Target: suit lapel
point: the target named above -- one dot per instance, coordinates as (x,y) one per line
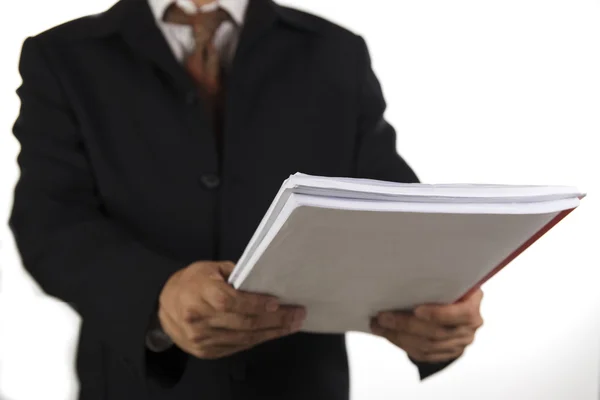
(259,52)
(144,37)
(191,137)
(271,37)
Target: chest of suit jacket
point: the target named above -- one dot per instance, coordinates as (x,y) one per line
(291,106)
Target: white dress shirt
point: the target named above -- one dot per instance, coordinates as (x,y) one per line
(180,37)
(181,40)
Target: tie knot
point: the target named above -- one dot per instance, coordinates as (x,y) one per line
(206,22)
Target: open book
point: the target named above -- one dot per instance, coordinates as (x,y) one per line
(347,249)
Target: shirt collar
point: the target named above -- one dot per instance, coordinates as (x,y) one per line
(236,8)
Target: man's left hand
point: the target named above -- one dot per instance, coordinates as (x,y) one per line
(433,333)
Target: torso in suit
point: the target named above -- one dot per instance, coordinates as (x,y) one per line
(122,184)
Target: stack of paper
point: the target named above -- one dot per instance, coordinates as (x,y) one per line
(349,248)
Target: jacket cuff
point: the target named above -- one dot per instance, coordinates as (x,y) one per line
(157,340)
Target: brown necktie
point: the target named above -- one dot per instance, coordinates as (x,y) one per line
(203,63)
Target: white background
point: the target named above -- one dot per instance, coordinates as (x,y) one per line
(503,91)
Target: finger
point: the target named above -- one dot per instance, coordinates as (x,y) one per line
(428,346)
(226,268)
(435,357)
(214,352)
(224,298)
(285,317)
(449,315)
(218,270)
(187,337)
(214,271)
(476,297)
(192,293)
(406,323)
(216,343)
(390,334)
(192,308)
(246,339)
(253,303)
(467,311)
(422,349)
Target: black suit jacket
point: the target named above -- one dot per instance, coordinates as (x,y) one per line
(122,184)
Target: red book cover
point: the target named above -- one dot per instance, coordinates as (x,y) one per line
(559,217)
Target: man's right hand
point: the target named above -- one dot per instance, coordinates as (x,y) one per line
(207,318)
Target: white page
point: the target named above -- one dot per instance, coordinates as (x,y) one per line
(345,266)
(392,191)
(472,191)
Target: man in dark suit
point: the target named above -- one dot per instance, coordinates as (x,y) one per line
(153,139)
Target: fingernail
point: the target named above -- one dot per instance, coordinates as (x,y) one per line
(386,320)
(272,305)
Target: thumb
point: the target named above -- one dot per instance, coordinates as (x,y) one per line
(224,268)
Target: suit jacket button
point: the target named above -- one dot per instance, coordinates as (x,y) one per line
(210,181)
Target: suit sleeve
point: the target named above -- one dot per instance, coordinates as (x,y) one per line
(67,242)
(377,157)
